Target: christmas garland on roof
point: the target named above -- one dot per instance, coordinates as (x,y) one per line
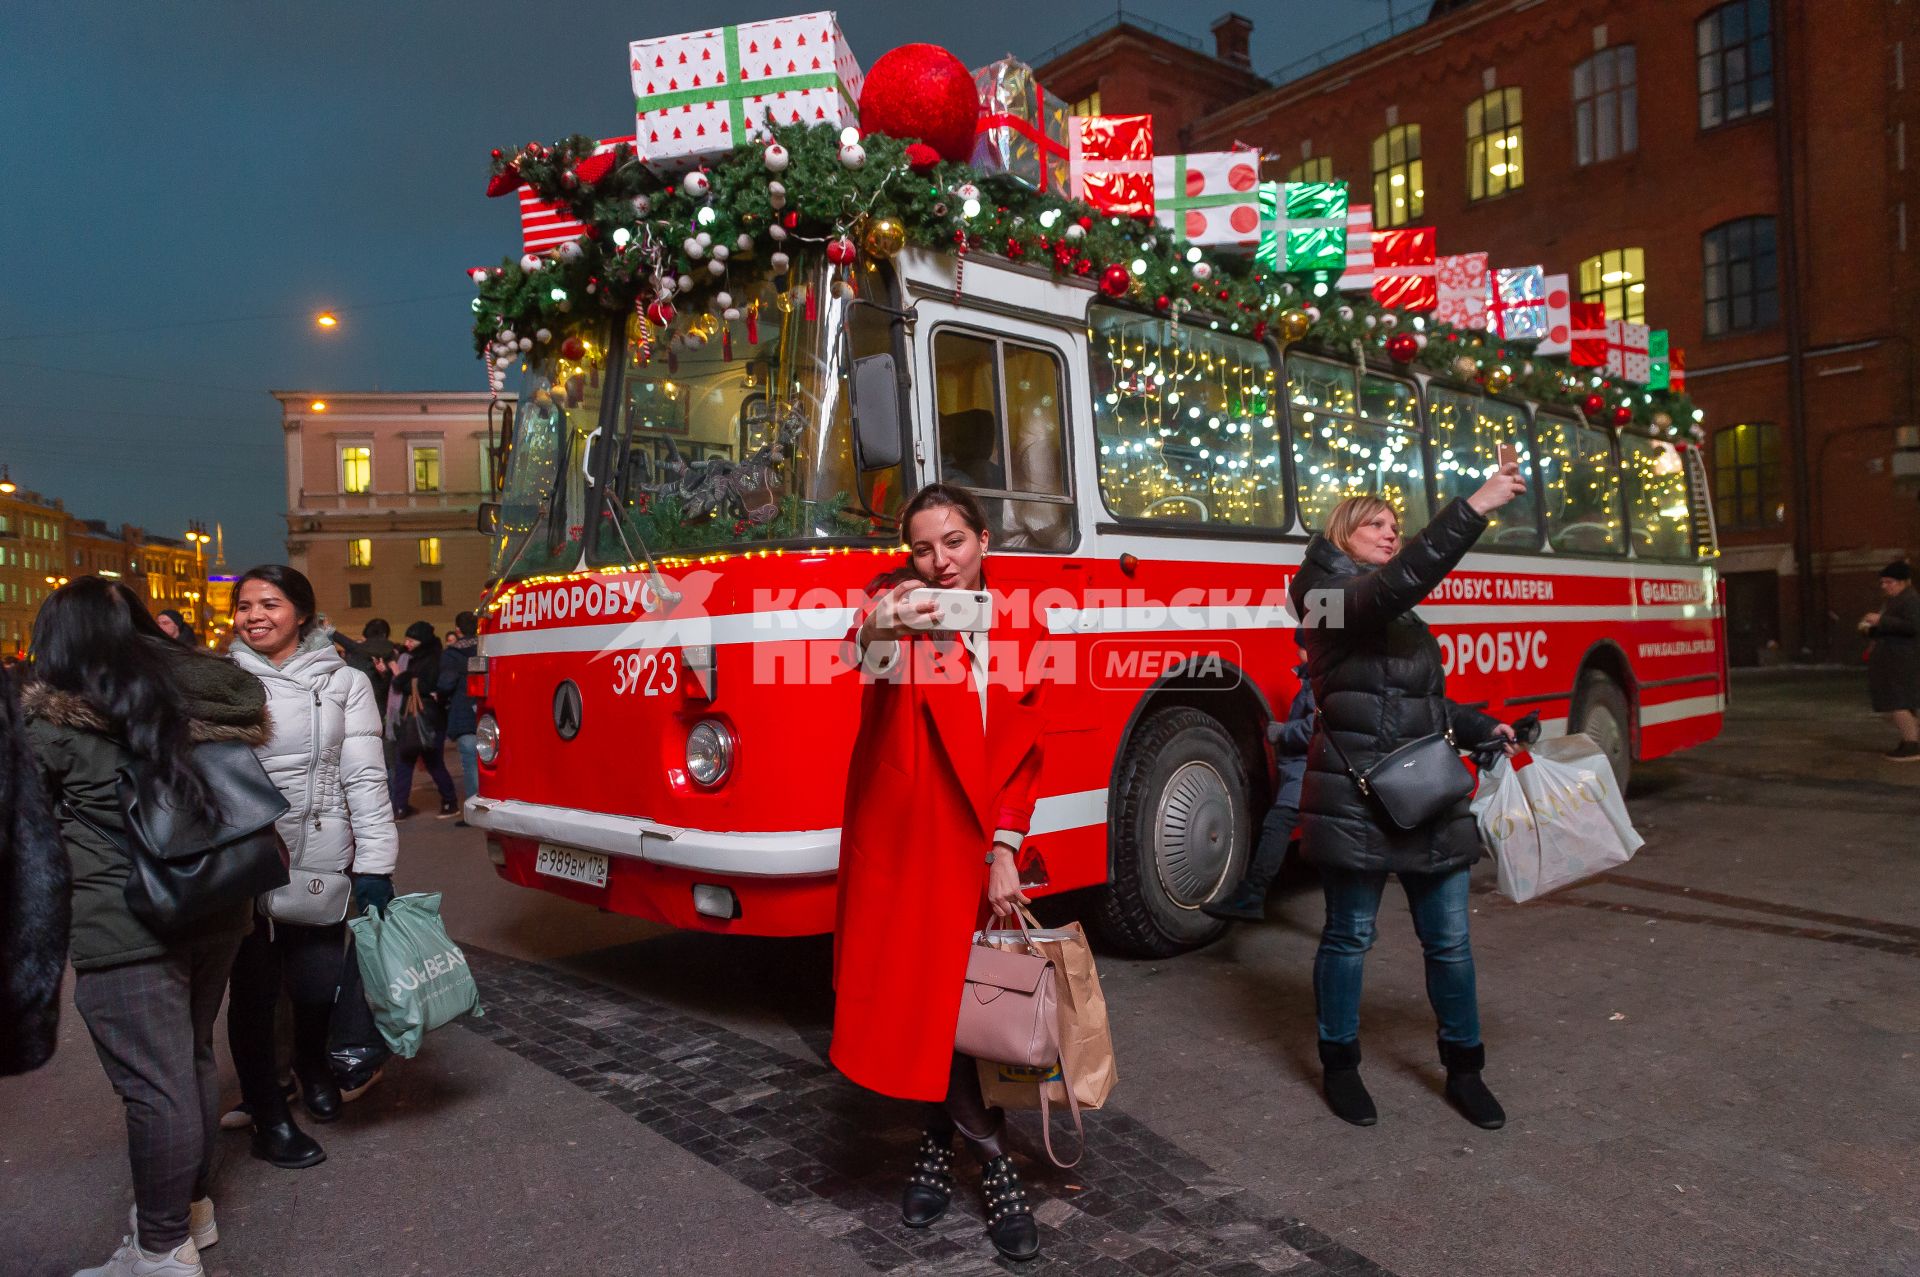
(651,243)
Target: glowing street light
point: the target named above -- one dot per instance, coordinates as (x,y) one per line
(327,319)
(7,485)
(318,405)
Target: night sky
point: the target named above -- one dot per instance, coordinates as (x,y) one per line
(191,183)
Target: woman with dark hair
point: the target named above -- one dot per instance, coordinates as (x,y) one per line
(325,756)
(175,627)
(940,794)
(420,677)
(110,690)
(1893,663)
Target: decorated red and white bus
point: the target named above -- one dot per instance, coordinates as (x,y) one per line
(665,726)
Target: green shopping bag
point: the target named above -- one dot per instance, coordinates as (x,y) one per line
(416,977)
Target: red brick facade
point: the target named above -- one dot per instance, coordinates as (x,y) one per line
(1835,135)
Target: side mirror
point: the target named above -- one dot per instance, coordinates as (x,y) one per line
(876,413)
(487,518)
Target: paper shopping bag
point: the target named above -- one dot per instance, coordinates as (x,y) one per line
(1086,1043)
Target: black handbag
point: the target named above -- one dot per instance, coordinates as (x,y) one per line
(1414,784)
(419,725)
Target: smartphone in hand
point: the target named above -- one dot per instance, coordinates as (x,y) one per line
(970,611)
(1509,453)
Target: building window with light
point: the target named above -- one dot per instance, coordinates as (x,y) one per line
(1495,164)
(426,467)
(1734,44)
(356,468)
(1746,476)
(429,552)
(1088,105)
(1617,278)
(1606,109)
(1316,168)
(1399,178)
(1740,276)
(360,552)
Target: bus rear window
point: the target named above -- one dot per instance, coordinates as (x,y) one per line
(1351,438)
(1467,432)
(1657,506)
(1579,487)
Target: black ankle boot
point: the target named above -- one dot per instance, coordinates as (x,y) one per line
(1465,1090)
(1346,1093)
(930,1182)
(277,1140)
(319,1093)
(1248,903)
(1009,1218)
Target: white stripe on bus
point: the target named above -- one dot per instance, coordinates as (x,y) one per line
(1140,620)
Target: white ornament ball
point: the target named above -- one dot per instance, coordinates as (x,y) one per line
(719,252)
(569,251)
(692,248)
(530,263)
(642,205)
(777,194)
(685,283)
(508,337)
(696,184)
(1370,321)
(503,362)
(744,242)
(967,191)
(526,343)
(779,262)
(723,300)
(543,334)
(730,313)
(704,238)
(1076,232)
(776,158)
(853,155)
(717,267)
(1420,340)
(1389,321)
(1346,314)
(776,232)
(478,275)
(1313,313)
(1202,270)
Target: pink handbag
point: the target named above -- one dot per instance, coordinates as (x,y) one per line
(1010,1014)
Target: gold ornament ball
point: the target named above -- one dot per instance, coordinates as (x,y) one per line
(1662,421)
(1465,367)
(1295,325)
(1498,378)
(885,237)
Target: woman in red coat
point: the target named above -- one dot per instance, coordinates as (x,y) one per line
(940,794)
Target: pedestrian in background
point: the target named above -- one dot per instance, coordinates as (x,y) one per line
(1290,738)
(416,689)
(1380,684)
(462,720)
(111,691)
(175,627)
(372,656)
(324,755)
(1893,664)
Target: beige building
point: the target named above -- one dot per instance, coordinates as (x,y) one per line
(383,490)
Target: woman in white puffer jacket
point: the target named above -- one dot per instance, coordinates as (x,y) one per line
(325,755)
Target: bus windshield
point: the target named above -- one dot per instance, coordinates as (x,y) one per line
(700,434)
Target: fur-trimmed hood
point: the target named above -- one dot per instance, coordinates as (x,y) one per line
(222,701)
(70,709)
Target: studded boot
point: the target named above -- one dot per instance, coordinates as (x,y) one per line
(930,1183)
(1009,1218)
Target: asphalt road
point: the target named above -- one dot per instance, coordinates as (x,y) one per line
(1708,1058)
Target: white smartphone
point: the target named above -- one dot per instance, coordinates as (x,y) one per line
(954,610)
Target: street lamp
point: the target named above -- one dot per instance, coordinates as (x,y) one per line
(7,485)
(327,319)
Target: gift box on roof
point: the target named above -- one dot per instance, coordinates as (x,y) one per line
(699,95)
(1677,371)
(1210,198)
(1303,226)
(1659,361)
(1404,268)
(1627,350)
(1520,302)
(1557,339)
(1359,276)
(1110,163)
(1588,337)
(1022,133)
(545,225)
(1464,287)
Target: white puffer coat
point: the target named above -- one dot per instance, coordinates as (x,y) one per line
(325,756)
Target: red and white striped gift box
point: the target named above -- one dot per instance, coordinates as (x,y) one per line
(1359,276)
(545,226)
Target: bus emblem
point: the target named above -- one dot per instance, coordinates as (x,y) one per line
(567,709)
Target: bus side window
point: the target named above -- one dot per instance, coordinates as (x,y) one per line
(967,398)
(1467,433)
(1579,487)
(1347,441)
(1001,429)
(1657,499)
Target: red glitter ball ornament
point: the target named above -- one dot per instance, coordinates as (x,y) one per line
(790,219)
(840,251)
(1115,281)
(1593,405)
(922,91)
(1623,416)
(572,348)
(1402,347)
(1162,302)
(660,314)
(921,158)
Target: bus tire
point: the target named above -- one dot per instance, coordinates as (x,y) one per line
(1180,835)
(1601,711)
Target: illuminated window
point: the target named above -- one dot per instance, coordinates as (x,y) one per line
(1746,476)
(426,467)
(1317,169)
(1617,278)
(356,468)
(1657,498)
(1088,105)
(1399,178)
(1351,438)
(1579,487)
(1740,276)
(1606,110)
(429,552)
(360,552)
(1735,48)
(1467,431)
(1494,161)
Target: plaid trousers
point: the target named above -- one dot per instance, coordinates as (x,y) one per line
(152,1025)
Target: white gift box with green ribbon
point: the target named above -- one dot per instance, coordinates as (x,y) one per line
(1209,198)
(699,95)
(1303,226)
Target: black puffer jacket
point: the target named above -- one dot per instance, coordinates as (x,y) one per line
(1380,684)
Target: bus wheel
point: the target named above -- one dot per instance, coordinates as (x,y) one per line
(1600,711)
(1180,834)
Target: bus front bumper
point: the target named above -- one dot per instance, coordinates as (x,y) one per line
(808,853)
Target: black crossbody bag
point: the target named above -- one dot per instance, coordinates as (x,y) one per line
(1414,784)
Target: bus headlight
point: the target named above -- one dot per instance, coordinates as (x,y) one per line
(709,752)
(486,739)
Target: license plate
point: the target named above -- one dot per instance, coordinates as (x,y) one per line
(575,866)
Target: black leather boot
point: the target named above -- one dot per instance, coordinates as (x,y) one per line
(1465,1090)
(1346,1093)
(1009,1218)
(319,1092)
(277,1140)
(930,1182)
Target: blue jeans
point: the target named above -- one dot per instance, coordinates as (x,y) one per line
(1439,906)
(469,747)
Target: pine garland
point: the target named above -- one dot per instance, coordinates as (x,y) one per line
(642,245)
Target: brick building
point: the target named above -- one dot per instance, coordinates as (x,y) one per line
(1735,173)
(383,494)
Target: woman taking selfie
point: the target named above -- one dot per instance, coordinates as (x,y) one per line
(939,797)
(1379,682)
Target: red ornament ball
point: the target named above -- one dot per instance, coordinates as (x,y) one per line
(1593,405)
(572,348)
(661,314)
(1623,415)
(1115,281)
(1162,302)
(921,158)
(922,91)
(1402,347)
(840,251)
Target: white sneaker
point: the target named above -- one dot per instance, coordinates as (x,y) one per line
(201,1226)
(131,1261)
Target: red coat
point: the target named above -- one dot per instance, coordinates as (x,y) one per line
(926,791)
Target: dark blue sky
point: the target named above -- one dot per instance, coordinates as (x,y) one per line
(190,183)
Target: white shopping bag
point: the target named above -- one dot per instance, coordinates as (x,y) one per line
(1554,819)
